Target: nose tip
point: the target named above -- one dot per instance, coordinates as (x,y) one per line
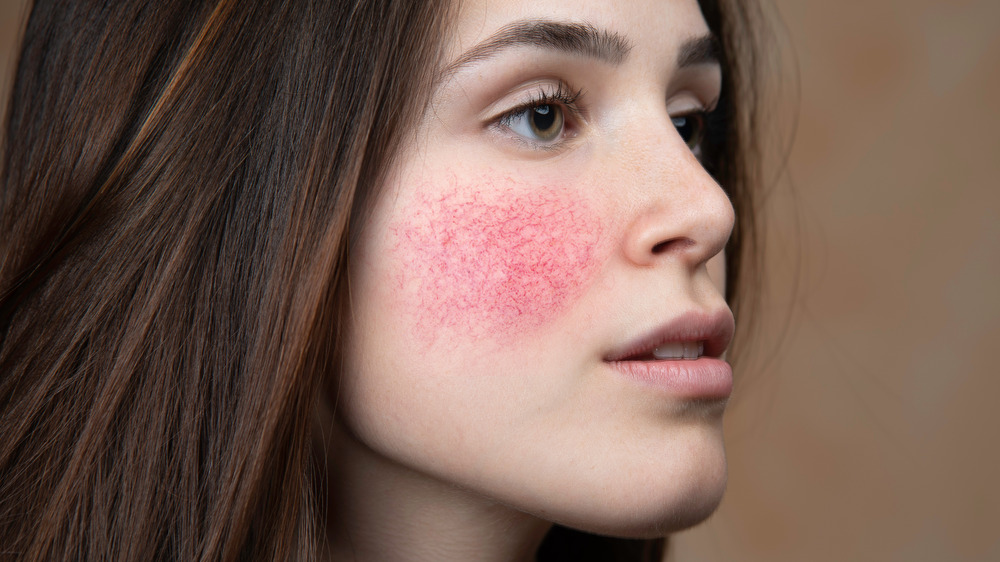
(685,216)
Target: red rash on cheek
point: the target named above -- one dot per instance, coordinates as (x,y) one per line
(488,262)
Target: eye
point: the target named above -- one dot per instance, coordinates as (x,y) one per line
(543,122)
(545,119)
(691,128)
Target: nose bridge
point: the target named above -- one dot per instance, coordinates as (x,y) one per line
(682,212)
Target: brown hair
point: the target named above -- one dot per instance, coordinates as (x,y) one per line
(179,184)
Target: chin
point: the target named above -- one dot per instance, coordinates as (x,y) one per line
(692,510)
(652,521)
(652,505)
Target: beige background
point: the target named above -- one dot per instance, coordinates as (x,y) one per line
(866,427)
(873,433)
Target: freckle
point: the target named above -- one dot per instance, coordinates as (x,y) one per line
(493,262)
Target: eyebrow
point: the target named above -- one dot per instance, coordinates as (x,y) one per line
(700,50)
(572,38)
(578,39)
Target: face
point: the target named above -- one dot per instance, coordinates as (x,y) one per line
(537,310)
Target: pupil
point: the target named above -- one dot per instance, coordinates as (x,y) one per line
(543,117)
(684,128)
(689,128)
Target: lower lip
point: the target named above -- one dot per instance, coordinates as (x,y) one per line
(705,378)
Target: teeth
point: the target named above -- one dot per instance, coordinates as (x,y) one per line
(679,350)
(670,350)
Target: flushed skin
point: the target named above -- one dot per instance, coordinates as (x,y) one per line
(477,399)
(494,261)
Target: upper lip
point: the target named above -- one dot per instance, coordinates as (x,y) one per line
(714,328)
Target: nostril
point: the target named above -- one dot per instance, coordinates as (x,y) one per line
(677,244)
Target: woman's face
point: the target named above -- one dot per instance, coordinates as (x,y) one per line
(537,310)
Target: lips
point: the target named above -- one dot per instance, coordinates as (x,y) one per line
(689,336)
(682,357)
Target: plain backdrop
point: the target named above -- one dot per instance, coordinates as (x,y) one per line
(865,426)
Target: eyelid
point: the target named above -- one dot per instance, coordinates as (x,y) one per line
(687,102)
(557,93)
(703,82)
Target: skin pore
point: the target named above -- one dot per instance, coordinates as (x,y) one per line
(549,210)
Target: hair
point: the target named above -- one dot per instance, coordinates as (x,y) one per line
(176,215)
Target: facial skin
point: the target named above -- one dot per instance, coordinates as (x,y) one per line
(499,272)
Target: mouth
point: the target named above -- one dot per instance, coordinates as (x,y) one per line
(682,357)
(685,338)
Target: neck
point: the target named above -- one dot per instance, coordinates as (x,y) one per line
(380,510)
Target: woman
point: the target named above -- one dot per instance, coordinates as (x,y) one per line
(371,280)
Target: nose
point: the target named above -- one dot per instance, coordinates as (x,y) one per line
(681,212)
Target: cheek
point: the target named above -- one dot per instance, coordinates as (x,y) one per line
(494,262)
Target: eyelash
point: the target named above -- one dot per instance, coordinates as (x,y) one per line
(563,96)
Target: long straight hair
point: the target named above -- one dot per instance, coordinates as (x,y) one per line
(180,183)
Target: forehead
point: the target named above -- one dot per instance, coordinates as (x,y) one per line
(651,27)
